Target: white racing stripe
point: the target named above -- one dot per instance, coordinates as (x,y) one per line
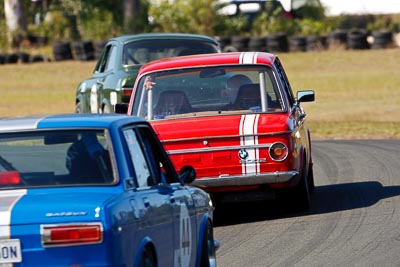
(248,58)
(248,137)
(7,201)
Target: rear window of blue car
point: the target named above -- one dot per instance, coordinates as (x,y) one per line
(55,158)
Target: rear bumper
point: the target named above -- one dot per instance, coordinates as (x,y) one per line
(245,180)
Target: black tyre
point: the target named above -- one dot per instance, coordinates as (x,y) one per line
(382,39)
(208,258)
(37,58)
(230,48)
(316,43)
(24,57)
(277,42)
(84,50)
(298,43)
(148,258)
(240,42)
(12,58)
(2,58)
(62,51)
(310,180)
(224,41)
(301,192)
(337,39)
(357,39)
(258,44)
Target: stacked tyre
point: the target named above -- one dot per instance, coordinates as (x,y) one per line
(357,39)
(258,44)
(382,39)
(238,43)
(62,51)
(337,39)
(298,43)
(224,41)
(84,50)
(277,43)
(316,43)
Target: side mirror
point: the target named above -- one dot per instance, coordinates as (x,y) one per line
(187,174)
(121,108)
(305,96)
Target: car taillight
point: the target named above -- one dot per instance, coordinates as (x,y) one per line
(10,178)
(278,151)
(71,234)
(127,91)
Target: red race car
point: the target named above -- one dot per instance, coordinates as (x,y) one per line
(234,118)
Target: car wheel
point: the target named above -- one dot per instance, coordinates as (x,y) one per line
(301,192)
(78,108)
(208,258)
(148,259)
(310,180)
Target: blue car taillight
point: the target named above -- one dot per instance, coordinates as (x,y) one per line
(71,234)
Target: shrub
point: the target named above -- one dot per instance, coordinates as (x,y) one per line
(188,16)
(383,23)
(276,23)
(314,27)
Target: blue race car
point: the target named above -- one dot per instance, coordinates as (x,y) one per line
(97,190)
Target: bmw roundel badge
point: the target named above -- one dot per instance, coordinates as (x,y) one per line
(243,154)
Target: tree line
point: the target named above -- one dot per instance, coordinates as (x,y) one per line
(70,19)
(28,22)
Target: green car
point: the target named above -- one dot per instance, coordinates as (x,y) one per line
(122,57)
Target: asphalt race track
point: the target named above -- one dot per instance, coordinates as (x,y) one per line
(354,219)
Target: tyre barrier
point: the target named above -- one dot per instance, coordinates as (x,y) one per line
(298,43)
(2,58)
(21,57)
(230,48)
(84,50)
(11,58)
(258,44)
(241,43)
(357,39)
(382,39)
(277,43)
(223,41)
(98,48)
(38,58)
(62,51)
(316,43)
(337,39)
(24,57)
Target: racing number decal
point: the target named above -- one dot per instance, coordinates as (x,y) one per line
(182,255)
